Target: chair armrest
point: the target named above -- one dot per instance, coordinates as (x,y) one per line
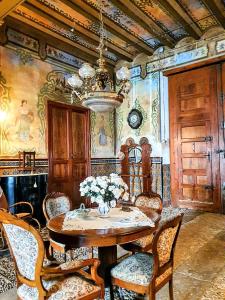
(23,203)
(72,267)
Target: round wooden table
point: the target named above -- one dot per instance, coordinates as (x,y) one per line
(105,239)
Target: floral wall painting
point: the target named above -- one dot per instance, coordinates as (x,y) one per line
(102,135)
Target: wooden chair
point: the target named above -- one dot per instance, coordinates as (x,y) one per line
(27,214)
(54,204)
(153,201)
(146,273)
(35,280)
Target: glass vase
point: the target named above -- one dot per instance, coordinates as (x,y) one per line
(103,210)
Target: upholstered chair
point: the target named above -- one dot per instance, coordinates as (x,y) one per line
(26,213)
(37,280)
(153,201)
(147,273)
(54,204)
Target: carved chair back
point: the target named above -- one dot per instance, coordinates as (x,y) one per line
(26,248)
(3,201)
(164,243)
(56,203)
(151,200)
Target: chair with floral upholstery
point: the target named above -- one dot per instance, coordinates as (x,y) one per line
(26,211)
(54,204)
(39,281)
(153,201)
(147,273)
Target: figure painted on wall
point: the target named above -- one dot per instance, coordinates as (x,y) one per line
(102,132)
(24,121)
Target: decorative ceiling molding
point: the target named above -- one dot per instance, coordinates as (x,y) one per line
(6,6)
(218,10)
(111,26)
(133,11)
(53,12)
(179,14)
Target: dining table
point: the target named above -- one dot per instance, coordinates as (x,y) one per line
(106,239)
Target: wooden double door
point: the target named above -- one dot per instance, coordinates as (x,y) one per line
(68,148)
(197,138)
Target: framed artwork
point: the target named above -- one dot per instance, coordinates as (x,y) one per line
(135,118)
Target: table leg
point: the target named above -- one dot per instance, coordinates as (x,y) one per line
(107,257)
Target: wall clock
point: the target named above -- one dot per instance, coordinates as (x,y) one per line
(135,118)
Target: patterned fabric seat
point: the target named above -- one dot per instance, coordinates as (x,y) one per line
(137,269)
(41,279)
(73,287)
(146,273)
(150,200)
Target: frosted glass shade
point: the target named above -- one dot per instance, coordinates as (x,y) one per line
(86,71)
(123,73)
(75,81)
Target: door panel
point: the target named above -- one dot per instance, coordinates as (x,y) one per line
(68,146)
(222,135)
(194,138)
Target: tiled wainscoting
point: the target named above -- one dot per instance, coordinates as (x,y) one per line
(102,166)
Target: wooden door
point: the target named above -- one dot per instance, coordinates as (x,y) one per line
(68,148)
(222,134)
(195,164)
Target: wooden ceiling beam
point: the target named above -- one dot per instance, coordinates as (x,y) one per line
(218,10)
(132,11)
(179,15)
(64,26)
(36,31)
(6,6)
(78,29)
(59,37)
(93,14)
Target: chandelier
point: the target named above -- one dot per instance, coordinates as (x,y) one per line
(95,88)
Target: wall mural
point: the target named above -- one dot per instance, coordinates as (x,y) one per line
(26,83)
(102,135)
(143,96)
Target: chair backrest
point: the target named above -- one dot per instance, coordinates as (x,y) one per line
(56,203)
(3,200)
(151,200)
(26,247)
(164,241)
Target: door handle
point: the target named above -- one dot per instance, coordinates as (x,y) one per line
(209,187)
(208,155)
(218,151)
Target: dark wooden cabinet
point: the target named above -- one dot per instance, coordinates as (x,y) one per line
(196,138)
(29,188)
(68,148)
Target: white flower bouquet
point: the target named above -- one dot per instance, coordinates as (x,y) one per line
(102,189)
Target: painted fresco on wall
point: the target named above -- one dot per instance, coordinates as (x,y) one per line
(26,83)
(143,96)
(21,128)
(102,135)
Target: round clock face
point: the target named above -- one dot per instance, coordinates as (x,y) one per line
(135,118)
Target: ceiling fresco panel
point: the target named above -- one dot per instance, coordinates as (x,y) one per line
(125,22)
(83,21)
(199,13)
(161,18)
(46,23)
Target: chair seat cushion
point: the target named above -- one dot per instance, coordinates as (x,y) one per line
(73,287)
(137,269)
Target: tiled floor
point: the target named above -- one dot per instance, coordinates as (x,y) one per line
(199,260)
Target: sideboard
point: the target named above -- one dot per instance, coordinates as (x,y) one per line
(26,187)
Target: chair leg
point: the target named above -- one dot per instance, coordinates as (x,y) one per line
(171,288)
(111,291)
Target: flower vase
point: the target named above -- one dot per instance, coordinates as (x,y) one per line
(103,210)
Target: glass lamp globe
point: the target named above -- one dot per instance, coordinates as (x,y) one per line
(75,81)
(86,71)
(123,73)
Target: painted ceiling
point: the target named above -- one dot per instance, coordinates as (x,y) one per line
(131,26)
